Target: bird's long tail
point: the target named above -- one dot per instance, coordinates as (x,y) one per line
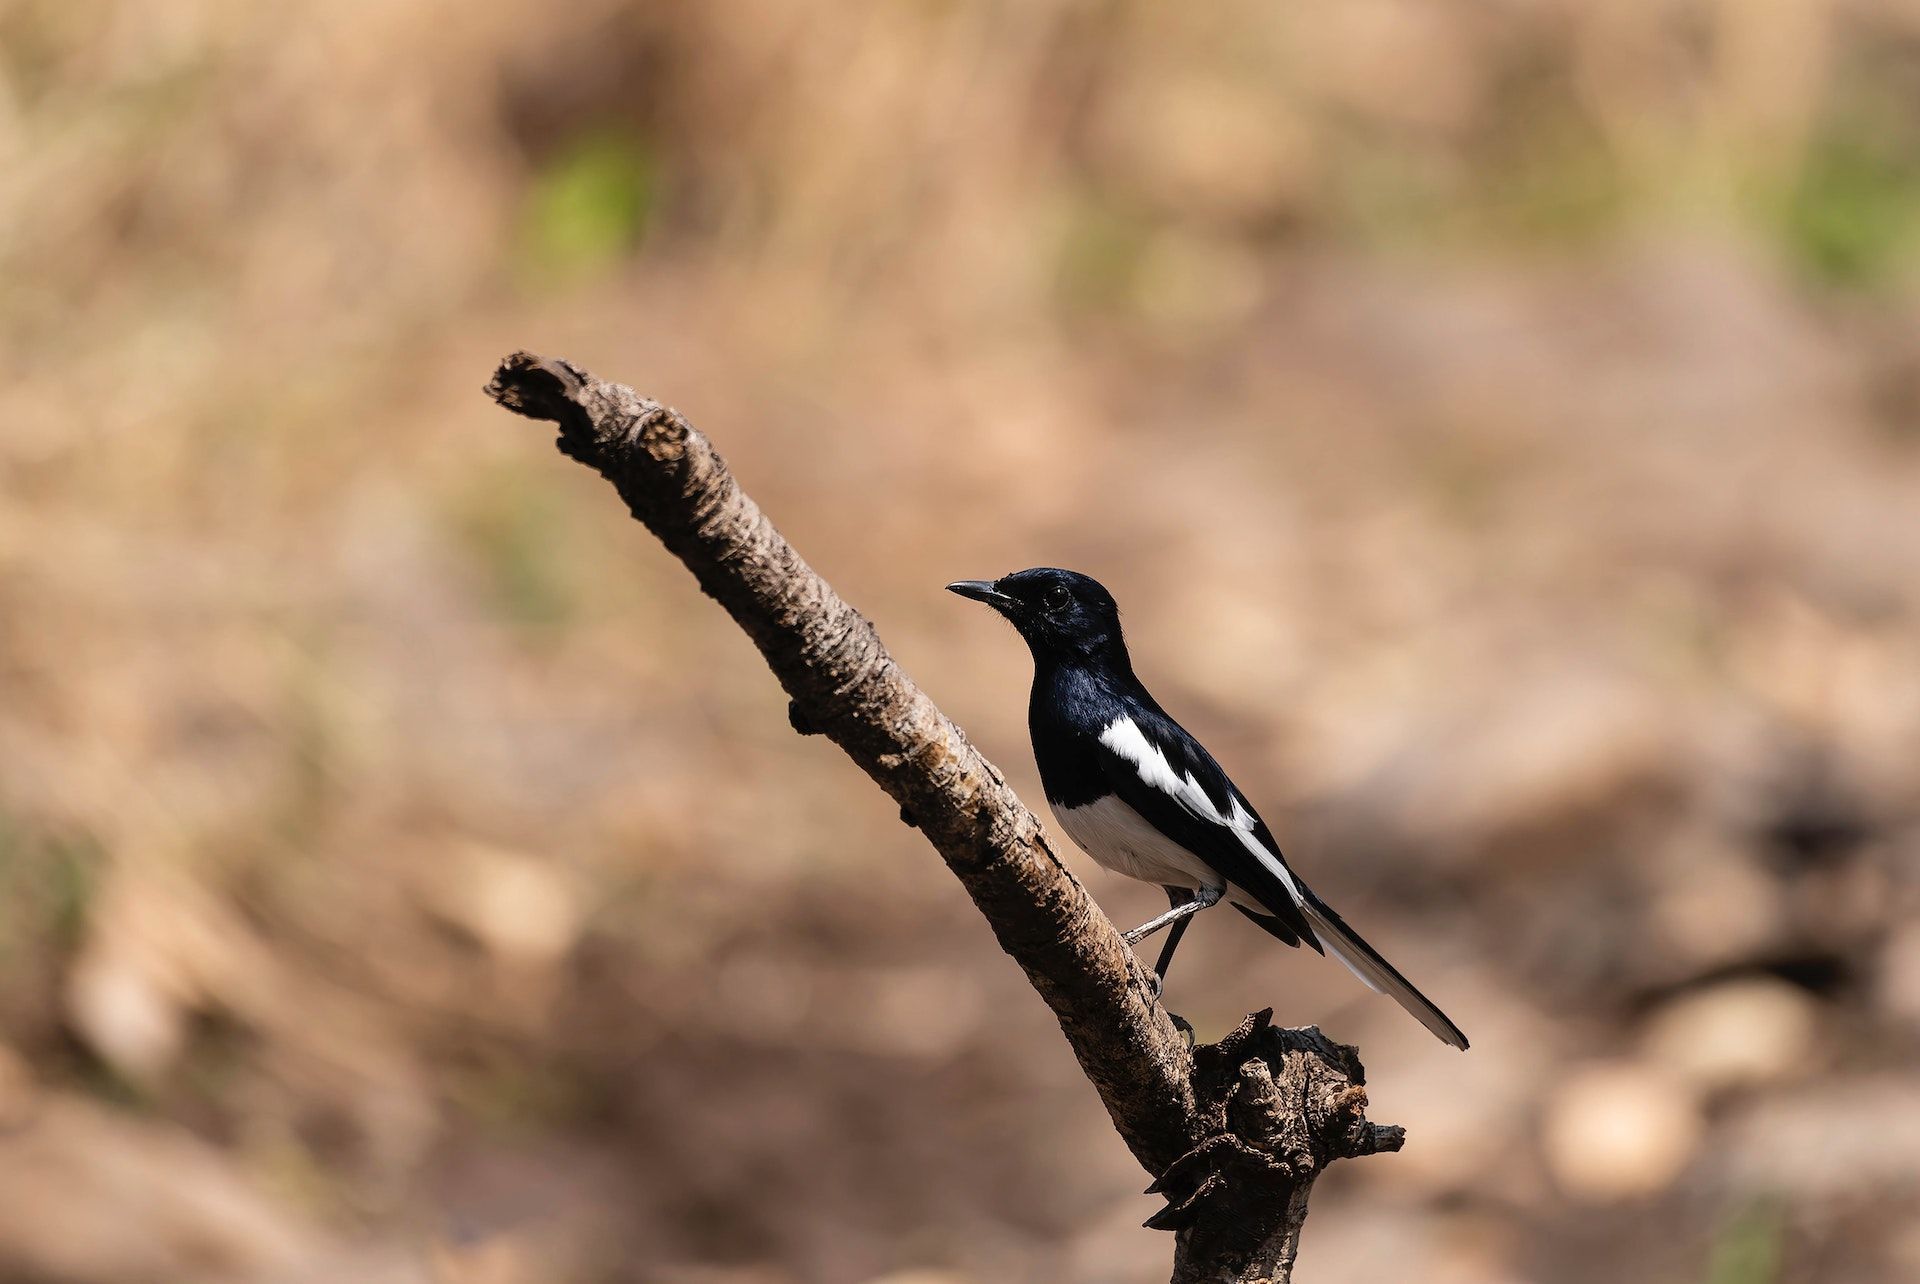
(1374,971)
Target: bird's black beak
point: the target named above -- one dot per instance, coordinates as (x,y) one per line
(982,591)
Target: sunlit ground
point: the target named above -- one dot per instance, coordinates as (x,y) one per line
(1500,425)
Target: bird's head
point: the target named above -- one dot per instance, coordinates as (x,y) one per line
(1059,613)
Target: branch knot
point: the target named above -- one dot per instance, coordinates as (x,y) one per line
(1279,1106)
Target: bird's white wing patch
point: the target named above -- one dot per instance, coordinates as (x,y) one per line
(1125,738)
(1272,863)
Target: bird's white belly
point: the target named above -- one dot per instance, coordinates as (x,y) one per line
(1120,839)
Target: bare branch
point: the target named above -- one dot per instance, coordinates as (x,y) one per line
(1232,1132)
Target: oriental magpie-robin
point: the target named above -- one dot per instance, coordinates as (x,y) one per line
(1145,799)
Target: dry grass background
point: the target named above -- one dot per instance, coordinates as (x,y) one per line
(1502,420)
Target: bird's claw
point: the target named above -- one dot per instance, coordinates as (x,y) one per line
(1184,1026)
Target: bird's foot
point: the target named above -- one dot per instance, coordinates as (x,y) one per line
(1184,1026)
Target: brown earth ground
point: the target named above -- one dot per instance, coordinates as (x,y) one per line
(1502,422)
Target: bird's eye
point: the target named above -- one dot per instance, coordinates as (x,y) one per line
(1056,598)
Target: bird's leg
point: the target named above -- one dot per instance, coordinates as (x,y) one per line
(1205,898)
(1181,898)
(1176,896)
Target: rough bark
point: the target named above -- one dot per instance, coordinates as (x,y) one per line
(1232,1132)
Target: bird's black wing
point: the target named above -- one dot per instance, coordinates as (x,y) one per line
(1271,925)
(1167,776)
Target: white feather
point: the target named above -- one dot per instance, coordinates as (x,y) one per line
(1122,840)
(1125,738)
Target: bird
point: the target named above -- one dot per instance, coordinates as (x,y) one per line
(1134,790)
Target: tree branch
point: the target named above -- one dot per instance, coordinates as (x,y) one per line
(1233,1132)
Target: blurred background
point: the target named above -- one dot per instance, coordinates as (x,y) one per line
(1502,421)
